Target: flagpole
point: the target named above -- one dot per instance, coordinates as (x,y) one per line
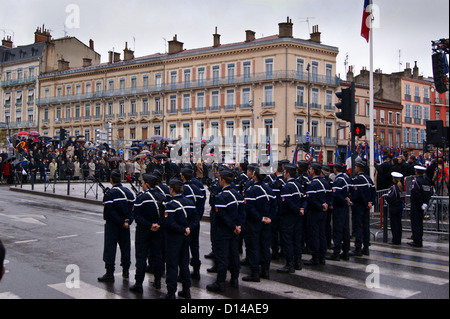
(371,107)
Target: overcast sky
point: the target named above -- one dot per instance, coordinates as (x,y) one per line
(405,25)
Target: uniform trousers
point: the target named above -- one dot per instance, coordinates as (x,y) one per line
(258,241)
(177,256)
(341,229)
(148,240)
(316,233)
(417,223)
(291,233)
(226,253)
(361,219)
(395,217)
(116,234)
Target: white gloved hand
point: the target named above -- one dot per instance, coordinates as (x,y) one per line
(424,206)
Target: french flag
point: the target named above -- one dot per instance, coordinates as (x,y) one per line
(348,161)
(365,25)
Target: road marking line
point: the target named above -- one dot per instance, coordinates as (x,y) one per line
(67,236)
(86,291)
(8,295)
(25,241)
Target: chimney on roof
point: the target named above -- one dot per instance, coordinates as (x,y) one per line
(249,35)
(216,37)
(91,44)
(315,35)
(415,71)
(127,53)
(113,57)
(7,42)
(285,29)
(63,65)
(42,35)
(87,62)
(407,72)
(175,46)
(350,76)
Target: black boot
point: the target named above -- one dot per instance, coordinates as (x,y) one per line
(345,256)
(234,282)
(356,253)
(254,277)
(365,251)
(169,296)
(265,273)
(298,263)
(322,260)
(287,269)
(216,287)
(185,293)
(314,261)
(334,256)
(157,283)
(137,288)
(125,273)
(108,277)
(196,274)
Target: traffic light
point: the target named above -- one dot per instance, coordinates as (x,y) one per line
(306,147)
(345,104)
(359,130)
(62,134)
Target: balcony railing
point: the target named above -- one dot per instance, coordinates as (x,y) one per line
(281,75)
(21,81)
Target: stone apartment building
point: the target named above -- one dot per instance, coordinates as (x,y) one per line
(222,93)
(410,90)
(20,68)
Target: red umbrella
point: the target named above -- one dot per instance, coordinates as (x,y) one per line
(23,133)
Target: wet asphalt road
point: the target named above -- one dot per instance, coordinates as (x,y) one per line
(50,240)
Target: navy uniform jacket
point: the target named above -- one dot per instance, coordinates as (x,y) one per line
(148,209)
(180,214)
(230,212)
(164,190)
(342,187)
(260,201)
(317,194)
(420,190)
(364,190)
(304,180)
(117,205)
(393,198)
(292,198)
(191,191)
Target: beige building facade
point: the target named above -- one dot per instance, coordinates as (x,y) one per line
(221,93)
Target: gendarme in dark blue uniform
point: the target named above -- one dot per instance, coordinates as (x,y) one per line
(291,216)
(228,221)
(149,216)
(363,197)
(117,213)
(260,208)
(342,187)
(180,218)
(317,205)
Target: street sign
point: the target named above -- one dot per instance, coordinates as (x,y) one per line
(121,152)
(307,136)
(307,156)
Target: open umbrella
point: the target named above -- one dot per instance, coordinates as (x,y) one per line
(160,156)
(23,133)
(34,133)
(156,137)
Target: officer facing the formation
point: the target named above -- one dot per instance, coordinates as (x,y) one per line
(420,196)
(342,186)
(291,220)
(180,218)
(395,204)
(148,213)
(260,207)
(363,197)
(117,212)
(228,221)
(317,204)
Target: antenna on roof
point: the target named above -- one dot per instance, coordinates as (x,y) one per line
(306,19)
(165,45)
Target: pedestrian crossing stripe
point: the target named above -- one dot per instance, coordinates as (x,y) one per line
(8,295)
(85,291)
